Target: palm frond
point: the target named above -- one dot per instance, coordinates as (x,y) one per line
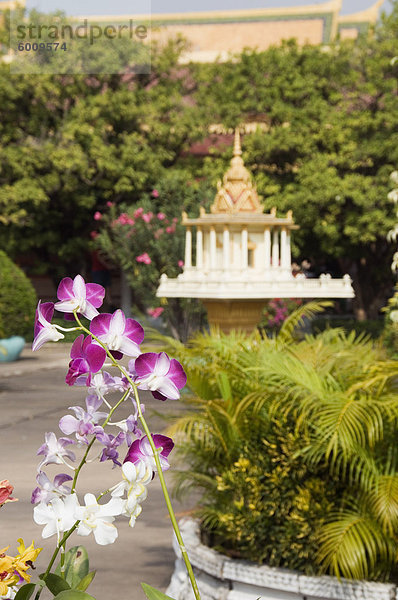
(352,545)
(308,311)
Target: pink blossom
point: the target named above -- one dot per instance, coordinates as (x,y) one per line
(155,312)
(139,212)
(147,217)
(97,216)
(158,233)
(175,220)
(155,193)
(143,258)
(94,234)
(109,203)
(180,263)
(124,219)
(161,216)
(170,229)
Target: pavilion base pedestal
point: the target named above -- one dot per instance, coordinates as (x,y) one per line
(244,315)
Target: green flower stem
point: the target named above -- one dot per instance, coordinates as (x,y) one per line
(66,328)
(167,499)
(157,460)
(55,554)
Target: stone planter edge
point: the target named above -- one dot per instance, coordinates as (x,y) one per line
(222,578)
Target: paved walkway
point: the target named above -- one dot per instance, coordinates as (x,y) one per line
(33,397)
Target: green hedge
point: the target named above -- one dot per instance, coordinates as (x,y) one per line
(17,300)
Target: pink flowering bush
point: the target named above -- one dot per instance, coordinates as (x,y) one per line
(91,432)
(147,240)
(276,312)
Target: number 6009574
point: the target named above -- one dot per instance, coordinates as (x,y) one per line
(51,46)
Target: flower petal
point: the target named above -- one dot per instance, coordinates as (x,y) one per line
(100,324)
(145,364)
(177,374)
(65,289)
(96,356)
(105,533)
(95,294)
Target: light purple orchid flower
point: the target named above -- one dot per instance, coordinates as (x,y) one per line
(140,450)
(86,358)
(85,422)
(54,450)
(101,383)
(159,374)
(48,490)
(130,426)
(44,331)
(77,295)
(121,335)
(111,443)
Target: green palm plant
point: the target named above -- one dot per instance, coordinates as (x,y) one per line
(292,443)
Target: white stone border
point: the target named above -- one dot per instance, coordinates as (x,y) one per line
(223,578)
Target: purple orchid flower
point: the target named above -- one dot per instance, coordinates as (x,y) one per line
(48,490)
(140,450)
(86,358)
(54,450)
(111,443)
(77,295)
(159,374)
(85,422)
(44,331)
(121,335)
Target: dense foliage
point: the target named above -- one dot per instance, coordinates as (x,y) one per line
(17,300)
(293,444)
(324,147)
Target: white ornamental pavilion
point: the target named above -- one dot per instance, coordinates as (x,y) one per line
(242,256)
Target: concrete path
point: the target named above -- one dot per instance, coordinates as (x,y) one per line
(33,397)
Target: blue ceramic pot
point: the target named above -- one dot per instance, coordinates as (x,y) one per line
(11,348)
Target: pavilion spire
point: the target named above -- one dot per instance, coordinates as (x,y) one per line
(237,146)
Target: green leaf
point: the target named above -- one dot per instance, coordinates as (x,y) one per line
(73,595)
(25,592)
(55,583)
(76,566)
(85,582)
(154,594)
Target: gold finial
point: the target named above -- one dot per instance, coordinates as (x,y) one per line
(236,192)
(273,211)
(237,146)
(289,215)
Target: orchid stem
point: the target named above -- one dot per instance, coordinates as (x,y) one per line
(156,457)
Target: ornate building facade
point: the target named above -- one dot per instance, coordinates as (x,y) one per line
(216,34)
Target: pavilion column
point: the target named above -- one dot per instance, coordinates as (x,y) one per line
(288,251)
(275,248)
(213,248)
(188,248)
(226,260)
(267,248)
(244,249)
(199,248)
(284,264)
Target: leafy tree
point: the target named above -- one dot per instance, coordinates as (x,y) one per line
(328,146)
(70,143)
